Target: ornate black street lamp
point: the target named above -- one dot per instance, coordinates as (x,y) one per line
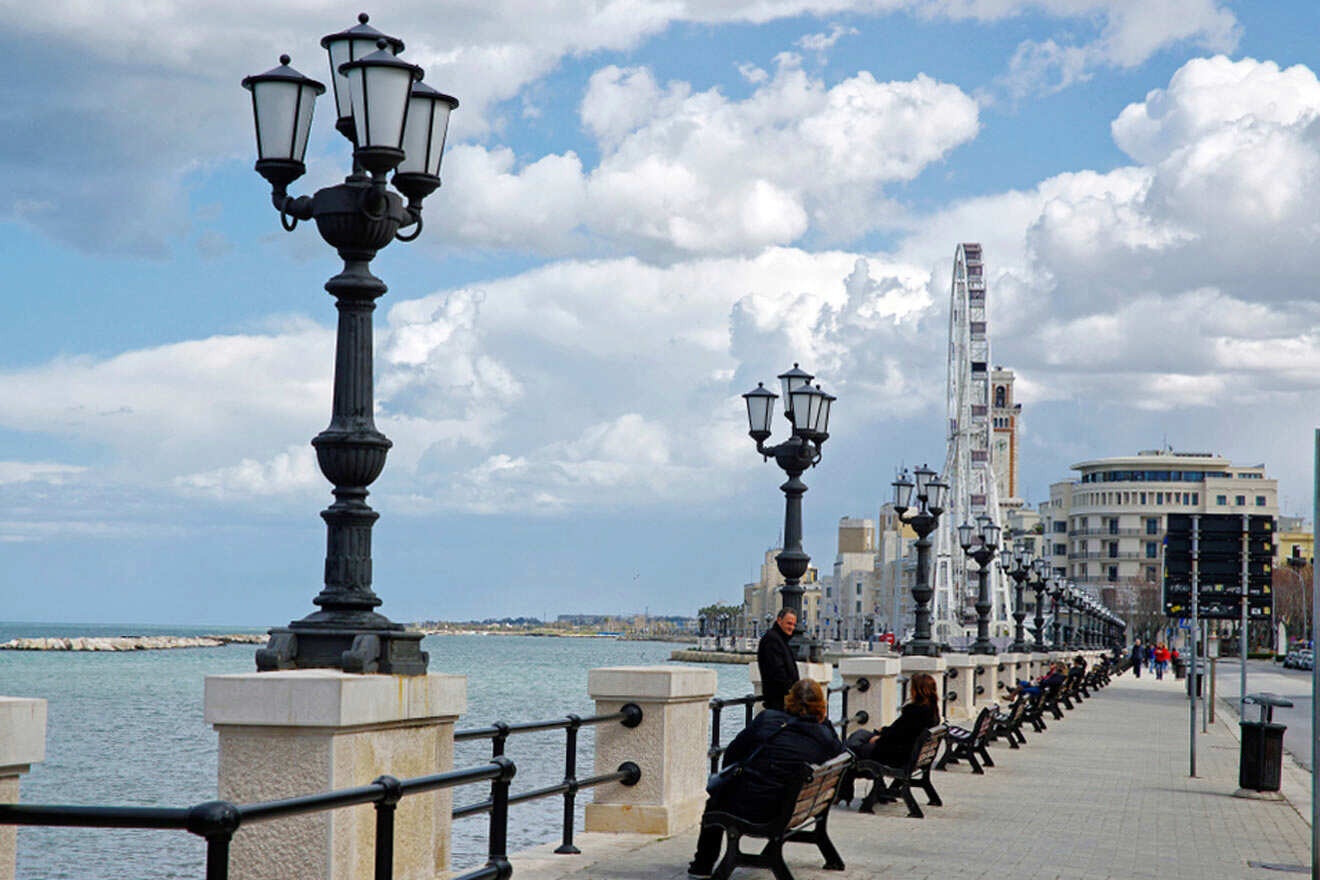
(1056,593)
(808,411)
(395,123)
(1021,569)
(1038,583)
(931,493)
(981,544)
(1070,635)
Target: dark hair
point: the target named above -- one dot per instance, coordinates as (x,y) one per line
(785,611)
(923,690)
(806,700)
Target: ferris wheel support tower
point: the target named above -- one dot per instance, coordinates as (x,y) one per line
(969,465)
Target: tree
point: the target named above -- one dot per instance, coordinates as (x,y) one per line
(1292,599)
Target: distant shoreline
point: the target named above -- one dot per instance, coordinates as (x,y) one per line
(129,643)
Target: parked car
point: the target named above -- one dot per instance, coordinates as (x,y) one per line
(1306,660)
(1290,660)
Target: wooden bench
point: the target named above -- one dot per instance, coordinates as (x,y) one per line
(811,790)
(964,743)
(915,772)
(1035,714)
(1009,724)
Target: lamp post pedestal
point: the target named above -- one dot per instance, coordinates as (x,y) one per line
(983,645)
(935,667)
(960,686)
(921,644)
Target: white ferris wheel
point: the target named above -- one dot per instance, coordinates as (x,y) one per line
(969,466)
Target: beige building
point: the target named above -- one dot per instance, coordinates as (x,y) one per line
(847,594)
(1107,526)
(1295,540)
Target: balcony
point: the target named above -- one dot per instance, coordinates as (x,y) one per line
(1102,532)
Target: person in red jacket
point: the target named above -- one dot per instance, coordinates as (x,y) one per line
(1161,660)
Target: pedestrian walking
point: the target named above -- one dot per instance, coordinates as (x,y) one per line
(1161,661)
(1138,654)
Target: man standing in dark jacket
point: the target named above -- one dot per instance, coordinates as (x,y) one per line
(775,659)
(1138,653)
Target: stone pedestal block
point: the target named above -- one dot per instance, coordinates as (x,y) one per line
(22,744)
(669,746)
(304,731)
(881,698)
(1011,668)
(1040,663)
(935,667)
(987,680)
(960,687)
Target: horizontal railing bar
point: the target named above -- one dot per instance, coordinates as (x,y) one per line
(736,701)
(79,816)
(364,794)
(536,726)
(534,794)
(485,872)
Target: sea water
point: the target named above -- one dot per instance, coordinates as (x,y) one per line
(126,728)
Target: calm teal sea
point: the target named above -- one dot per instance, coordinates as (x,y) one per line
(126,728)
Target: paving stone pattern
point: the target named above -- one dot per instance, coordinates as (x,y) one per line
(1104,793)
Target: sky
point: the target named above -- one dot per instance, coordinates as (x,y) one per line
(648,207)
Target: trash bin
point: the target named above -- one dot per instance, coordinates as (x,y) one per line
(1261,761)
(1200,675)
(1179,668)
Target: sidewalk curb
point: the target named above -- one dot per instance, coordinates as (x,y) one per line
(1296,780)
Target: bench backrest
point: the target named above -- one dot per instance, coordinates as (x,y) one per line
(1018,710)
(981,729)
(926,747)
(820,785)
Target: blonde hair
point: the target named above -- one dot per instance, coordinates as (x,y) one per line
(806,700)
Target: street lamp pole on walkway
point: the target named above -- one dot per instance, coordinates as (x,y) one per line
(931,493)
(1022,566)
(981,545)
(395,124)
(1038,584)
(808,411)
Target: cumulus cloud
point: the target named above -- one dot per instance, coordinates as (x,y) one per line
(1176,284)
(686,173)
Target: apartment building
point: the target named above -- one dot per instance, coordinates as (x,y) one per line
(1107,526)
(762,599)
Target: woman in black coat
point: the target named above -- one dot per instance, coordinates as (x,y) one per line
(785,739)
(892,744)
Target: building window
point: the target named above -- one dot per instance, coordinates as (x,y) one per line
(1221,500)
(1060,527)
(1001,396)
(1113,549)
(1113,526)
(1081,570)
(1241,500)
(1150,573)
(1061,549)
(1084,523)
(1113,572)
(859,607)
(1196,497)
(1143,497)
(1152,525)
(1159,497)
(1260,500)
(1152,550)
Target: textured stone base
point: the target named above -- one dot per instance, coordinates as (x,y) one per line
(645,818)
(1258,795)
(284,734)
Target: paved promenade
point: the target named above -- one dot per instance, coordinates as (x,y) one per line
(1104,793)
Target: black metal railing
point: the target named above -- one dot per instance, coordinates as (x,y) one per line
(717,706)
(859,717)
(630,715)
(216,821)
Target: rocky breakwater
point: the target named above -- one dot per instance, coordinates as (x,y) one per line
(129,643)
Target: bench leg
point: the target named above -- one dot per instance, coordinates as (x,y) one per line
(773,858)
(971,759)
(985,756)
(914,809)
(731,857)
(821,837)
(932,796)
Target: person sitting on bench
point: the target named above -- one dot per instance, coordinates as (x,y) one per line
(1055,676)
(893,743)
(780,740)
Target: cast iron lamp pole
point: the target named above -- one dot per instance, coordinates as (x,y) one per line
(1042,567)
(1021,569)
(1056,622)
(932,494)
(981,547)
(396,124)
(1071,599)
(808,411)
